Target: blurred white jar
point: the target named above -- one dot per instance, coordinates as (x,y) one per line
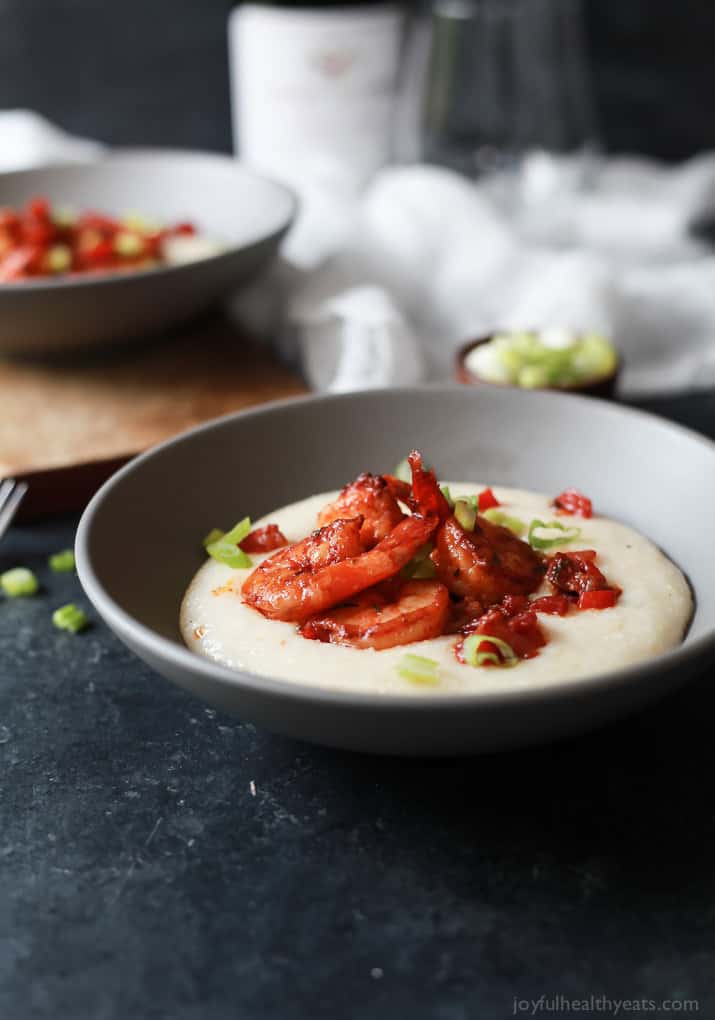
(314,89)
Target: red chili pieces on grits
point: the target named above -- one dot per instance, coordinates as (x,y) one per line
(375,576)
(38,240)
(265,539)
(573,502)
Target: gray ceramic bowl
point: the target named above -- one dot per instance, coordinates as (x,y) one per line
(247,213)
(138,543)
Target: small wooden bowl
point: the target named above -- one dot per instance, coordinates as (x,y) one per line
(602,386)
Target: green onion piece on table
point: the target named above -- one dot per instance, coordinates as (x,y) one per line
(18,582)
(70,618)
(543,542)
(496,516)
(418,670)
(474,655)
(62,562)
(226,549)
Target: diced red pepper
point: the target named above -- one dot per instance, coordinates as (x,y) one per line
(20,262)
(571,501)
(604,599)
(38,208)
(98,221)
(100,252)
(521,632)
(487,500)
(571,573)
(264,539)
(9,219)
(554,605)
(38,232)
(26,236)
(513,604)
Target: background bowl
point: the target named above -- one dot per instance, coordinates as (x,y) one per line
(247,213)
(139,543)
(605,386)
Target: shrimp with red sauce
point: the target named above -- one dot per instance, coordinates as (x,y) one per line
(486,563)
(369,497)
(331,566)
(481,565)
(374,620)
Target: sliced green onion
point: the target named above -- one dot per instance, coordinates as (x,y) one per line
(537,542)
(533,377)
(229,554)
(127,243)
(70,618)
(420,566)
(215,535)
(238,532)
(474,657)
(487,659)
(514,524)
(61,216)
(425,570)
(62,562)
(18,582)
(444,489)
(552,357)
(403,471)
(58,258)
(226,548)
(418,670)
(466,514)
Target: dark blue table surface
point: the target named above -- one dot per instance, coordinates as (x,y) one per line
(161,860)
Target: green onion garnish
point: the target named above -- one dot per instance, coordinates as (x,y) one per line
(403,471)
(418,670)
(18,582)
(466,514)
(444,489)
(496,516)
(215,535)
(425,570)
(62,562)
(474,657)
(226,549)
(70,618)
(420,566)
(541,542)
(551,357)
(489,659)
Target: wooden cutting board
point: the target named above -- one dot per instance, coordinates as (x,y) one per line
(82,417)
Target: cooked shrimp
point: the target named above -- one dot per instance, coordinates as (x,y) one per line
(372,621)
(400,490)
(427,497)
(369,496)
(329,567)
(486,563)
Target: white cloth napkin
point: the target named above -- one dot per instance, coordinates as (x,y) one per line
(455,260)
(380,288)
(28,140)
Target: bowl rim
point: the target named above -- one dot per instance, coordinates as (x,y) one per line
(61,282)
(178,655)
(469,378)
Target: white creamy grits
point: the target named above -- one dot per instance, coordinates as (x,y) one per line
(650,617)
